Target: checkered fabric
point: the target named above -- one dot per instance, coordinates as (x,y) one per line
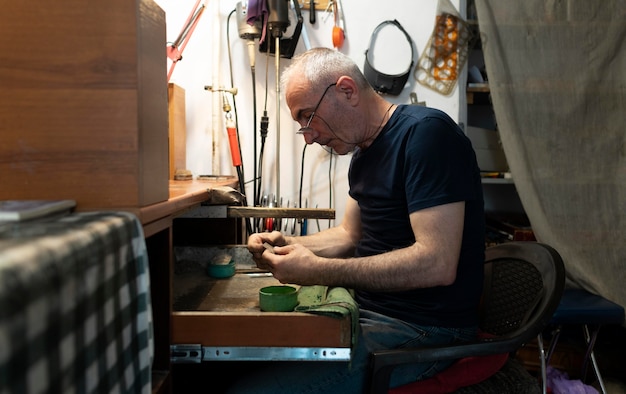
(75,309)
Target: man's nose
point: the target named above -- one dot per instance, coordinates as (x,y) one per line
(310,136)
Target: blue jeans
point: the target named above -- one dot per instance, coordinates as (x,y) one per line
(377,332)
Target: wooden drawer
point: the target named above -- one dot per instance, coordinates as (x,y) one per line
(222,317)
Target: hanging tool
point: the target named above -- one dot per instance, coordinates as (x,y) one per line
(312,12)
(339,30)
(277,23)
(235,153)
(249,32)
(246,31)
(175,50)
(381,82)
(305,36)
(233,141)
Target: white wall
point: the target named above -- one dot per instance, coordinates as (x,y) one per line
(206,62)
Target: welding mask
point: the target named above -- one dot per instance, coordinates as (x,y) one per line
(385,83)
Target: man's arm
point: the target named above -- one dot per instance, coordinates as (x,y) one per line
(431,261)
(338,241)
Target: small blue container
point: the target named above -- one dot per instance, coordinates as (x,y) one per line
(221,266)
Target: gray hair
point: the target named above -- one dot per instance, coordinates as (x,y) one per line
(323,66)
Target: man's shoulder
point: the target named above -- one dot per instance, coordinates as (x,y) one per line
(417,120)
(421,112)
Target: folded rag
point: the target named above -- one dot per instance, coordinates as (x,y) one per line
(335,302)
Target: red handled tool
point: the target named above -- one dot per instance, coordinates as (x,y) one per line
(235,154)
(233,142)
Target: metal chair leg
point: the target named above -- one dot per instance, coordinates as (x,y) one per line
(545,358)
(591,341)
(542,358)
(556,334)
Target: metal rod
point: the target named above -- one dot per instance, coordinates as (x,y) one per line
(277,61)
(279,212)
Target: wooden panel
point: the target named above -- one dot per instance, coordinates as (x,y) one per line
(177,129)
(160,256)
(84,103)
(46,154)
(321,5)
(152,103)
(73,45)
(279,329)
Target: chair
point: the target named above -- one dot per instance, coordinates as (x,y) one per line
(591,311)
(522,288)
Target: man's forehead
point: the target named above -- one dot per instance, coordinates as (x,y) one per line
(297,93)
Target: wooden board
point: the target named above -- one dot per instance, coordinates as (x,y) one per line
(320,5)
(177,129)
(237,294)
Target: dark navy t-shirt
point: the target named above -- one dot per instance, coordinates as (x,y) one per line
(420,159)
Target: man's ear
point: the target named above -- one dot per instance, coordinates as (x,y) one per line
(348,88)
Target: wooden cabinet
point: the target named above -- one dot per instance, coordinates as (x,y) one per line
(84,116)
(84,105)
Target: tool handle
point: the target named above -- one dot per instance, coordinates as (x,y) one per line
(338,37)
(312,11)
(234,146)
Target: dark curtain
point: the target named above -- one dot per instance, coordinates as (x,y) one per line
(557,74)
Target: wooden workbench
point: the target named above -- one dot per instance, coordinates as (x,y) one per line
(157,220)
(214,323)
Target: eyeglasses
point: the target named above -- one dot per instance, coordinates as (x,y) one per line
(307,128)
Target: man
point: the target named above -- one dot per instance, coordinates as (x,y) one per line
(411,243)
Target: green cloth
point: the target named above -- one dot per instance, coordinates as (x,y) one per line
(335,302)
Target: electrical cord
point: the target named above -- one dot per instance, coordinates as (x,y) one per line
(264,126)
(301,176)
(302,221)
(330,184)
(256,168)
(240,168)
(232,85)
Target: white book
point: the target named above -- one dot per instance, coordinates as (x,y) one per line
(16,210)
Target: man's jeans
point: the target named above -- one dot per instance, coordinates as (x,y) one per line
(377,332)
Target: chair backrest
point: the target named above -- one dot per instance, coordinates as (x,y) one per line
(523,285)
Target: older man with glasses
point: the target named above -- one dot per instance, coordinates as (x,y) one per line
(411,243)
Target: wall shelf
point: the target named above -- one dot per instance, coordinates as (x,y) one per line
(474,87)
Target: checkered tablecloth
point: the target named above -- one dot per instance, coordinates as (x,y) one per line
(75,311)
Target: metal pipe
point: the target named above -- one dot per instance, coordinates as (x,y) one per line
(217,124)
(277,61)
